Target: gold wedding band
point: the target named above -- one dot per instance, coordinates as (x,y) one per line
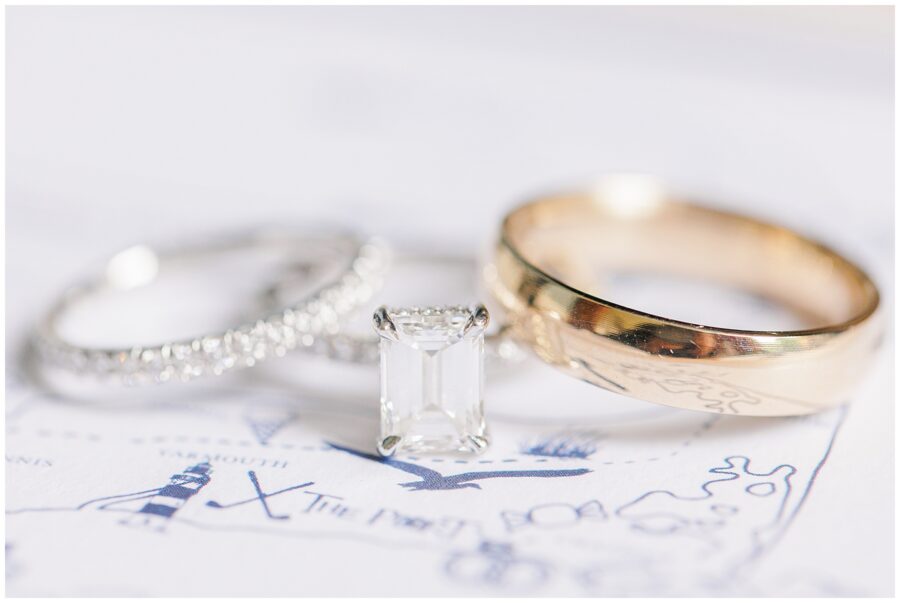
(551,251)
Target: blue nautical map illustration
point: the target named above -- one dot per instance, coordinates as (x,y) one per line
(722,500)
(496,564)
(261,497)
(170,498)
(573,445)
(163,502)
(266,423)
(433,480)
(554,515)
(726,523)
(716,516)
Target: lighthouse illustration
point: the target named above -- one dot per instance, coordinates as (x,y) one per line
(171,497)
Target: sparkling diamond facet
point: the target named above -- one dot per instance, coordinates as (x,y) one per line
(432,377)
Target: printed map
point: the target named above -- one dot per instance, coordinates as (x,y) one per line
(244,490)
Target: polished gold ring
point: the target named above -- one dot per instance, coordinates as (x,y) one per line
(545,269)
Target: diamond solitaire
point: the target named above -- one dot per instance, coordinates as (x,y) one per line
(432,377)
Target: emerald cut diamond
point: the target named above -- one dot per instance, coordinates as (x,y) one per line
(432,377)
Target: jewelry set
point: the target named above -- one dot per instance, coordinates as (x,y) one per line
(546,272)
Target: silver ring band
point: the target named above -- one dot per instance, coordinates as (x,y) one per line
(363,347)
(297,323)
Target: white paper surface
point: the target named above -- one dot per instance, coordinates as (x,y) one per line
(424,125)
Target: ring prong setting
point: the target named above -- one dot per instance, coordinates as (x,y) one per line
(383,324)
(480,316)
(389,445)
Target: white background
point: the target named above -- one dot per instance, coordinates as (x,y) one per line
(425,124)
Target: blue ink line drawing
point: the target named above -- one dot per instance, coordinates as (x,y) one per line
(432,480)
(116,498)
(766,537)
(563,445)
(554,515)
(264,426)
(170,498)
(736,467)
(198,475)
(496,564)
(261,496)
(761,489)
(773,540)
(727,471)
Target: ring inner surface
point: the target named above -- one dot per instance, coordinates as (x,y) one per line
(582,240)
